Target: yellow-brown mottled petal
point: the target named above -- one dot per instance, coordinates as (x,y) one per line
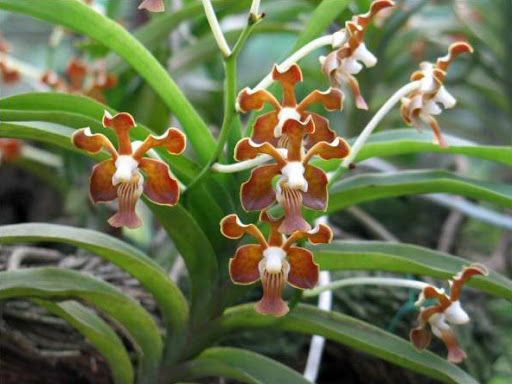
(463,277)
(323,131)
(159,186)
(233,228)
(303,270)
(337,149)
(288,79)
(453,51)
(172,140)
(263,130)
(420,338)
(332,100)
(100,186)
(93,143)
(275,238)
(247,149)
(257,193)
(122,123)
(316,195)
(249,100)
(243,268)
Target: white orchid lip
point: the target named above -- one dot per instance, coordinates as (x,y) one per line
(283,116)
(455,314)
(363,54)
(274,257)
(126,166)
(293,173)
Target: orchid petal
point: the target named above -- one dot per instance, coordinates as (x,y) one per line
(173,140)
(257,193)
(93,143)
(101,187)
(316,196)
(247,149)
(159,186)
(331,99)
(323,131)
(463,277)
(263,130)
(275,238)
(337,149)
(122,123)
(420,338)
(288,79)
(243,268)
(303,270)
(249,100)
(273,284)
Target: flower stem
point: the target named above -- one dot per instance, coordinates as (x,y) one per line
(302,52)
(214,25)
(367,131)
(230,93)
(389,281)
(255,7)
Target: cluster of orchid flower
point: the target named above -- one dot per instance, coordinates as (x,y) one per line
(81,80)
(290,136)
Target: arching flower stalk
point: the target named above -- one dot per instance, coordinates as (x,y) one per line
(153,5)
(120,176)
(423,104)
(269,127)
(299,183)
(341,65)
(446,311)
(81,80)
(275,261)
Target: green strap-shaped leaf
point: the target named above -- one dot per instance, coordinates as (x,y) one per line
(55,283)
(367,187)
(404,141)
(197,253)
(241,365)
(403,258)
(349,331)
(83,19)
(99,334)
(171,301)
(77,111)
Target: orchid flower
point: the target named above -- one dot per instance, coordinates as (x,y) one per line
(9,75)
(424,103)
(153,5)
(10,149)
(269,127)
(120,177)
(82,80)
(299,183)
(276,261)
(341,65)
(446,311)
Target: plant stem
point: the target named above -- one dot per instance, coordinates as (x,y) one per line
(214,25)
(230,93)
(390,281)
(255,7)
(302,52)
(367,131)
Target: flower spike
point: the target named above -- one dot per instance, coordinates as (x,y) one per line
(446,311)
(423,104)
(269,127)
(120,176)
(341,65)
(298,183)
(272,262)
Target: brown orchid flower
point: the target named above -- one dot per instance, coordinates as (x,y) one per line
(276,261)
(423,104)
(120,177)
(341,65)
(9,75)
(446,311)
(299,183)
(269,127)
(82,80)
